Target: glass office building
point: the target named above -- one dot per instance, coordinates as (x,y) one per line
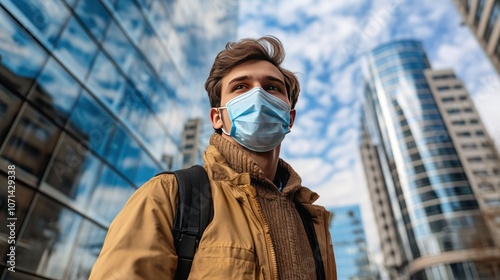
(94,95)
(426,209)
(350,245)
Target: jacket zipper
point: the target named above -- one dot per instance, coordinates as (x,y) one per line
(262,220)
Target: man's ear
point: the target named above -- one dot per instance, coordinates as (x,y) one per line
(215,117)
(292,117)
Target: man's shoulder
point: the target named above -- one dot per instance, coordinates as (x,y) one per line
(161,186)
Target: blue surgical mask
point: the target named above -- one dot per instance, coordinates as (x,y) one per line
(259,120)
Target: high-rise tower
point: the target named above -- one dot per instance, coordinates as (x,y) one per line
(191,153)
(483,19)
(428,211)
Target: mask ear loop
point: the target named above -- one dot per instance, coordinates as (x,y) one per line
(222,119)
(290,126)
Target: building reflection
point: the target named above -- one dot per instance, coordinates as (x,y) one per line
(93,99)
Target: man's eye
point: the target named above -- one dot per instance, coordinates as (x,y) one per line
(238,87)
(273,88)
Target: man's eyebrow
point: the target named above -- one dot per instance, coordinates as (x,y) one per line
(238,79)
(276,79)
(247,77)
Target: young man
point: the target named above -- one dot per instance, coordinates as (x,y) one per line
(257,231)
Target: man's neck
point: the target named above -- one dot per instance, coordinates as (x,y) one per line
(267,161)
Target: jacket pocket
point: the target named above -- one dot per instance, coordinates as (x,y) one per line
(221,262)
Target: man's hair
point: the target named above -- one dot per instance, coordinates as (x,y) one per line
(266,48)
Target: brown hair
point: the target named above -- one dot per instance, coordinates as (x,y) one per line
(266,48)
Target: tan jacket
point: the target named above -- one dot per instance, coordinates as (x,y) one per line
(235,245)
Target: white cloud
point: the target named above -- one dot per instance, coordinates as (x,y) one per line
(314,170)
(345,84)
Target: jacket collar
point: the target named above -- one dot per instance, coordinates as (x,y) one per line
(229,162)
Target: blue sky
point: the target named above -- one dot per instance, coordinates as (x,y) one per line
(324,41)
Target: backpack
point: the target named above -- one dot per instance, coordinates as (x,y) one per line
(195,211)
(193,214)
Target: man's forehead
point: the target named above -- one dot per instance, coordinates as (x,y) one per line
(259,69)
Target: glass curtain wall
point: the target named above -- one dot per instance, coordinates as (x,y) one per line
(350,245)
(93,98)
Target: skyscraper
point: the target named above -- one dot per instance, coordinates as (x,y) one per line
(191,143)
(428,211)
(482,17)
(93,98)
(349,242)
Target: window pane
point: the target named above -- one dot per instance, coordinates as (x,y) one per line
(131,101)
(23,197)
(43,17)
(106,82)
(31,143)
(56,92)
(119,47)
(152,49)
(87,249)
(153,133)
(132,20)
(9,107)
(147,168)
(94,16)
(132,109)
(92,124)
(111,194)
(70,2)
(75,49)
(124,153)
(158,14)
(170,77)
(74,171)
(20,57)
(142,77)
(48,238)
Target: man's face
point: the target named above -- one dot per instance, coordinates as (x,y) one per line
(243,78)
(250,74)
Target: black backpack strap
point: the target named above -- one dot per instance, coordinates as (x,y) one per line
(194,213)
(313,240)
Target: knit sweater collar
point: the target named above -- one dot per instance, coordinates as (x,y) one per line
(241,162)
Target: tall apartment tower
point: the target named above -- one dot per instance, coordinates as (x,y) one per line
(429,212)
(482,17)
(190,143)
(475,148)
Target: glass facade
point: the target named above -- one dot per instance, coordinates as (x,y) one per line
(434,205)
(349,244)
(94,95)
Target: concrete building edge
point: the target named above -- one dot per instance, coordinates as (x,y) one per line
(453,257)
